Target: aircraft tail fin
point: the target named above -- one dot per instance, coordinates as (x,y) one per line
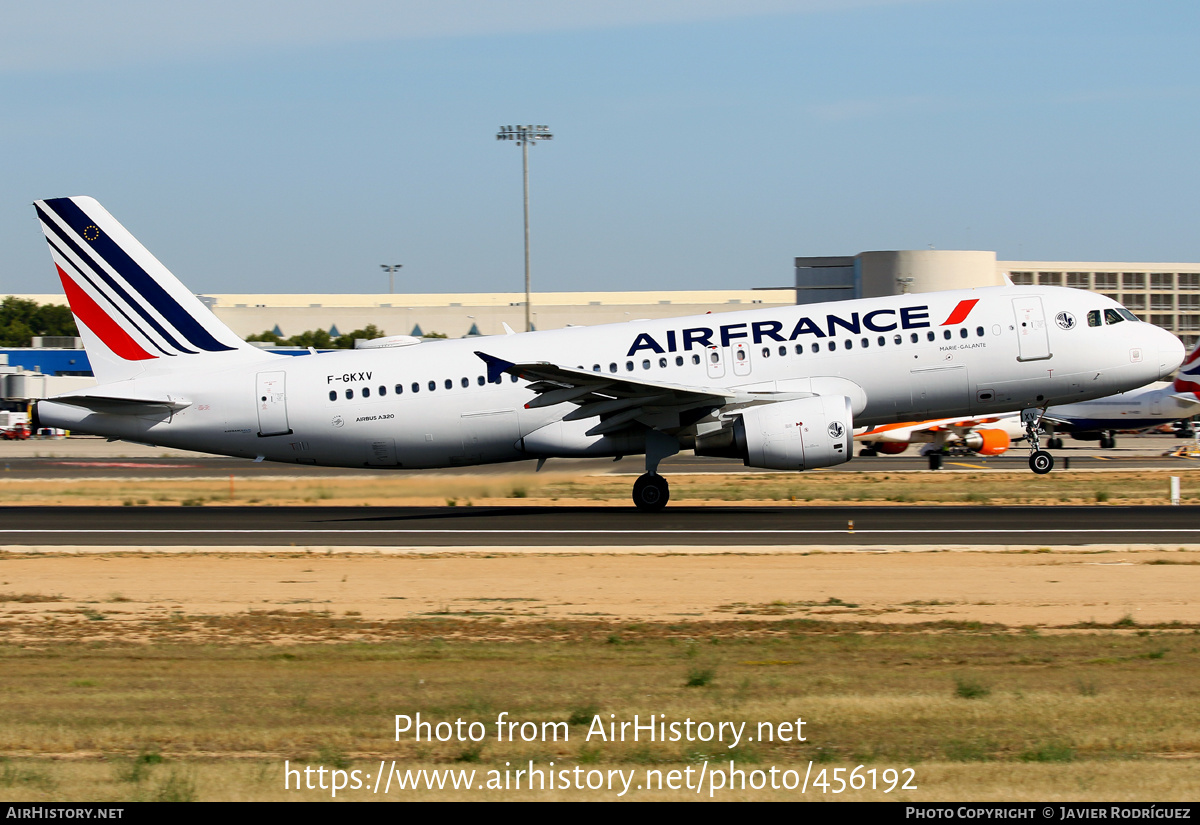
(1188,377)
(134,315)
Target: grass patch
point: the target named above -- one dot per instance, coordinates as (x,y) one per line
(970,689)
(1050,752)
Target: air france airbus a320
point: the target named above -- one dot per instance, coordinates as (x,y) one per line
(779,388)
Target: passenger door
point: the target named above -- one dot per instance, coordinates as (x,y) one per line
(1033,340)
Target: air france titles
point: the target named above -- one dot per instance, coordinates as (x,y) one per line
(879,320)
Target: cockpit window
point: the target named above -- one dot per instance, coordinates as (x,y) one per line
(1127,315)
(1111,316)
(1094,318)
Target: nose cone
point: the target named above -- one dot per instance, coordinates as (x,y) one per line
(1170,353)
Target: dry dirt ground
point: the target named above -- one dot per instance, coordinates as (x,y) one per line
(83,587)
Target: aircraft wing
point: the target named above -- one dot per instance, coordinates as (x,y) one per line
(618,401)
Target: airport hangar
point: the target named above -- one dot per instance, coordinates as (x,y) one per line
(1165,294)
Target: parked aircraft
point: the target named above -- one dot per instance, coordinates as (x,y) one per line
(981,434)
(779,388)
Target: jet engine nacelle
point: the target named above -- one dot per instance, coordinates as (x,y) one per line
(987,442)
(788,435)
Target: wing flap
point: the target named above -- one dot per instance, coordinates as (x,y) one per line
(619,401)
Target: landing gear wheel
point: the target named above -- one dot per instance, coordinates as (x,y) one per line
(1055,443)
(1107,442)
(1041,462)
(651,493)
(867,452)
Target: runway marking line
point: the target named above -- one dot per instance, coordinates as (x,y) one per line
(489,531)
(972,466)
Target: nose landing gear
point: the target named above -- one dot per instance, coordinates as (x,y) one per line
(1040,461)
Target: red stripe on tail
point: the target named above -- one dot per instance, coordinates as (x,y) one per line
(98,321)
(961,312)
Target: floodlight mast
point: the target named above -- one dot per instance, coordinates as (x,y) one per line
(525,136)
(391,270)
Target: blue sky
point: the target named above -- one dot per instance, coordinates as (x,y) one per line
(293,147)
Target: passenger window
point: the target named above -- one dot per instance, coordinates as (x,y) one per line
(382,391)
(595,368)
(612,367)
(466,382)
(480,380)
(366,392)
(832,346)
(679,360)
(799,349)
(783,350)
(866,342)
(513,378)
(432,386)
(628,366)
(416,387)
(896,339)
(1111,316)
(333,395)
(766,352)
(915,338)
(1094,318)
(349,394)
(946,334)
(979,331)
(449,384)
(645,363)
(930,335)
(662,363)
(849,344)
(816,347)
(882,340)
(399,389)
(962,333)
(695,359)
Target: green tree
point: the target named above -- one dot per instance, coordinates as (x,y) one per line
(315,338)
(346,341)
(22,319)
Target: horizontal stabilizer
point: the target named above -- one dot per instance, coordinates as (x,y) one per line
(122,406)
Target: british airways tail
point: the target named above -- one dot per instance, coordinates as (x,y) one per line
(1187,380)
(134,316)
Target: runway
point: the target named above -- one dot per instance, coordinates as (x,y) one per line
(215,527)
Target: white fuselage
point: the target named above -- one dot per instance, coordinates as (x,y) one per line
(898,358)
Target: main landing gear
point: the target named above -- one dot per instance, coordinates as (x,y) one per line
(1040,461)
(651,491)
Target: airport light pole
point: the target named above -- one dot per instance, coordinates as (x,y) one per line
(525,136)
(391,270)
